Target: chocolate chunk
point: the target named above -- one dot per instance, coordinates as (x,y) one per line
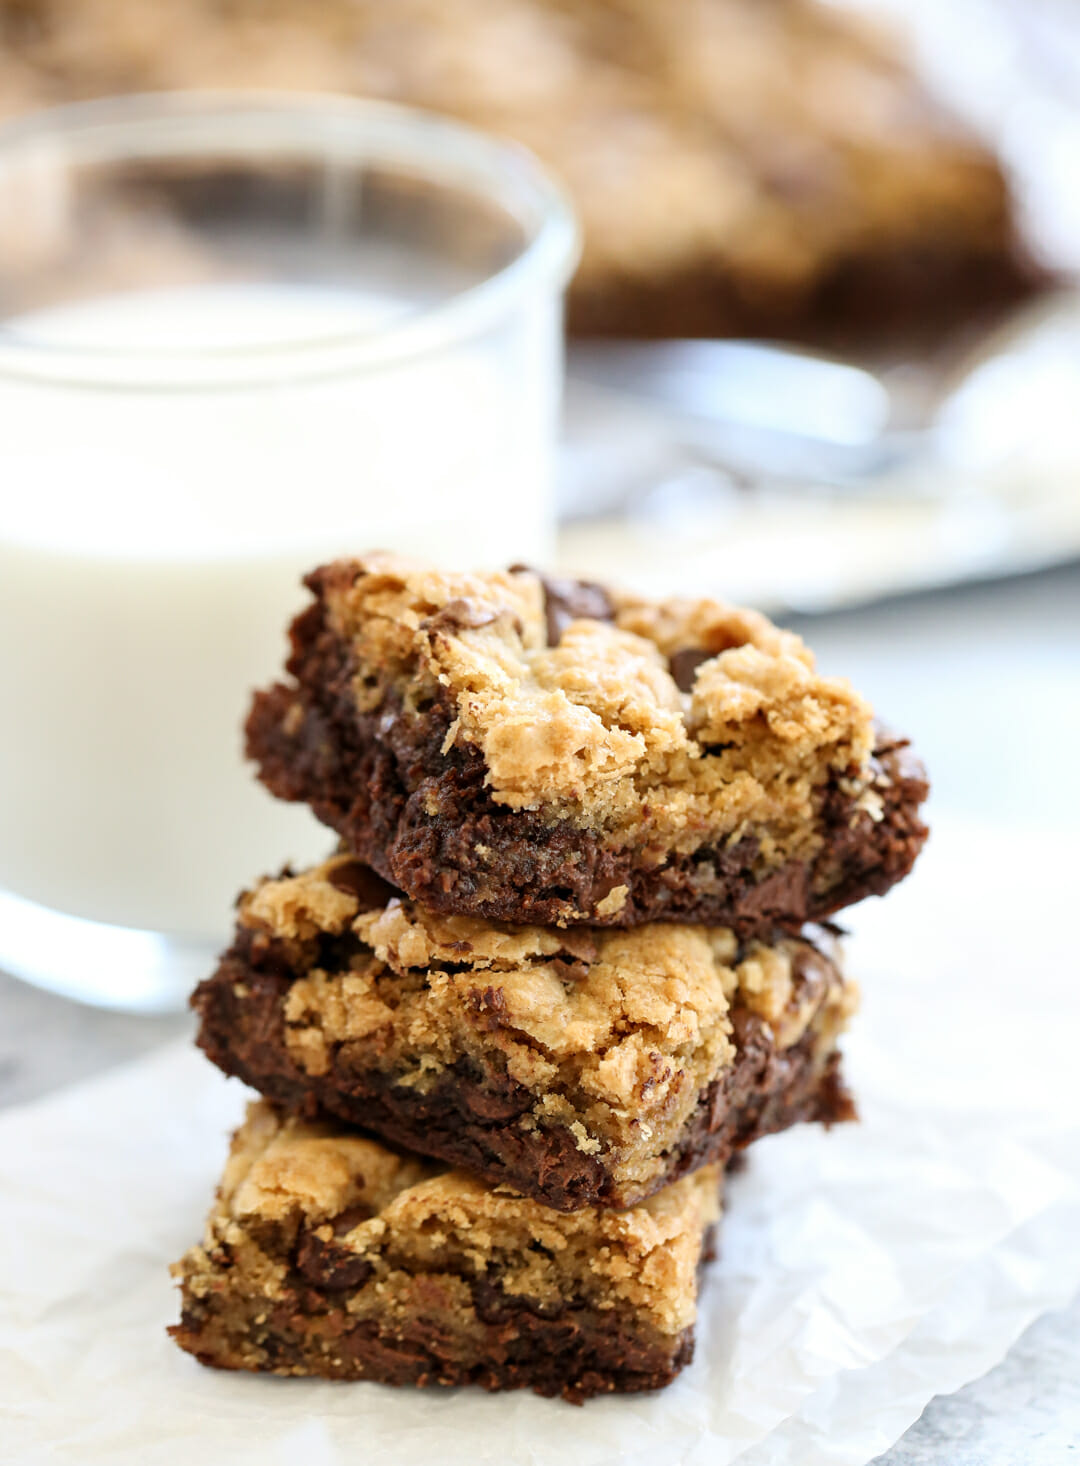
(570,600)
(581,944)
(810,972)
(328,1266)
(359,880)
(459,615)
(352,1216)
(490,1006)
(683,666)
(570,971)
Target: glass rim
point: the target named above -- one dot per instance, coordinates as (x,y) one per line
(239,121)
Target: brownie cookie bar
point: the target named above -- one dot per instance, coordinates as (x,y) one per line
(581,1068)
(552,752)
(327,1254)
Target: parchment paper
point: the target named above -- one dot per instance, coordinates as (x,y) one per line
(861,1272)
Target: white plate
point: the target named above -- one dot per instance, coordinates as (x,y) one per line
(661,496)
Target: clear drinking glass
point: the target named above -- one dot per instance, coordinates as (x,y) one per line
(239,335)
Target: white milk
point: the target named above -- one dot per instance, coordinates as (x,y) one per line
(151,546)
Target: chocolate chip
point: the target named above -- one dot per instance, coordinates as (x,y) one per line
(328,1266)
(489,1004)
(359,880)
(460,615)
(570,971)
(580,944)
(353,1215)
(570,600)
(812,976)
(684,664)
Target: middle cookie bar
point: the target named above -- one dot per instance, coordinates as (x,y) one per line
(581,1067)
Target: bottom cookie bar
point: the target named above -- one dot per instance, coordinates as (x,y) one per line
(328,1254)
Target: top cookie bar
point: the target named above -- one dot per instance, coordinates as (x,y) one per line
(555,752)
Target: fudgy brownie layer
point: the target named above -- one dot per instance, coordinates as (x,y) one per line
(468,1117)
(422,816)
(573,1352)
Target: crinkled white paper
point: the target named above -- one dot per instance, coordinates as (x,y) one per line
(861,1272)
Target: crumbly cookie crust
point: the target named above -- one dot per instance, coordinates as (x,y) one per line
(592,727)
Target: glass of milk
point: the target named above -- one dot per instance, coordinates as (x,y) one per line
(239,335)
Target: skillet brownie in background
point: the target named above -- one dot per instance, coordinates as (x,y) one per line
(741,167)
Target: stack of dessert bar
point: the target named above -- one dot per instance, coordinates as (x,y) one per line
(560,971)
